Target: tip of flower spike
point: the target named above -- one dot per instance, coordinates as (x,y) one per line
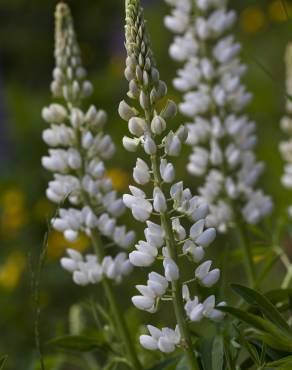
(62,10)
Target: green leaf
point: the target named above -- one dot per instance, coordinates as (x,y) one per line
(282,362)
(279,295)
(254,298)
(3,360)
(183,364)
(278,343)
(217,353)
(164,364)
(212,353)
(79,343)
(251,319)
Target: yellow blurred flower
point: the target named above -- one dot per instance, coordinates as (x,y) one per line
(116,66)
(277,11)
(252,19)
(43,209)
(14,214)
(11,270)
(120,178)
(57,244)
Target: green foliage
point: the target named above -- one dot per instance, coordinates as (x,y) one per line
(78,343)
(212,353)
(3,360)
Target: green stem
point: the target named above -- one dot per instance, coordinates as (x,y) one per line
(115,308)
(177,300)
(250,270)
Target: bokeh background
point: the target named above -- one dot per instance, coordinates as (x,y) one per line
(26,62)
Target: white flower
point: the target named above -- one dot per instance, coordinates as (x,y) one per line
(130,144)
(154,234)
(144,255)
(137,126)
(165,339)
(141,172)
(211,87)
(171,270)
(141,208)
(158,125)
(172,144)
(167,171)
(78,148)
(159,201)
(206,277)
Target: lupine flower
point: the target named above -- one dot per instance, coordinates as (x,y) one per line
(286,124)
(165,339)
(78,149)
(168,203)
(89,270)
(213,98)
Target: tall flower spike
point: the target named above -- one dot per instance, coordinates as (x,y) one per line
(213,98)
(169,204)
(286,124)
(78,149)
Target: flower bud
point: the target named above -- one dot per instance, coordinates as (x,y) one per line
(158,125)
(169,111)
(149,145)
(55,113)
(182,133)
(130,144)
(172,145)
(167,171)
(206,238)
(144,100)
(159,202)
(171,270)
(137,126)
(87,88)
(125,111)
(141,172)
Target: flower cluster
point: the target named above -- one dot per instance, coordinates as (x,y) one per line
(165,339)
(78,149)
(286,124)
(168,239)
(213,99)
(89,270)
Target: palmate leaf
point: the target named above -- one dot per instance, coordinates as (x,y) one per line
(3,360)
(79,343)
(254,298)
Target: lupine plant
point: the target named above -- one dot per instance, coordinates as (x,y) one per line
(167,204)
(222,137)
(78,149)
(213,98)
(209,330)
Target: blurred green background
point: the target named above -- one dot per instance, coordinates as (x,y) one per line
(26,62)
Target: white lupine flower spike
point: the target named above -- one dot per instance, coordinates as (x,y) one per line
(167,240)
(213,98)
(78,149)
(286,125)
